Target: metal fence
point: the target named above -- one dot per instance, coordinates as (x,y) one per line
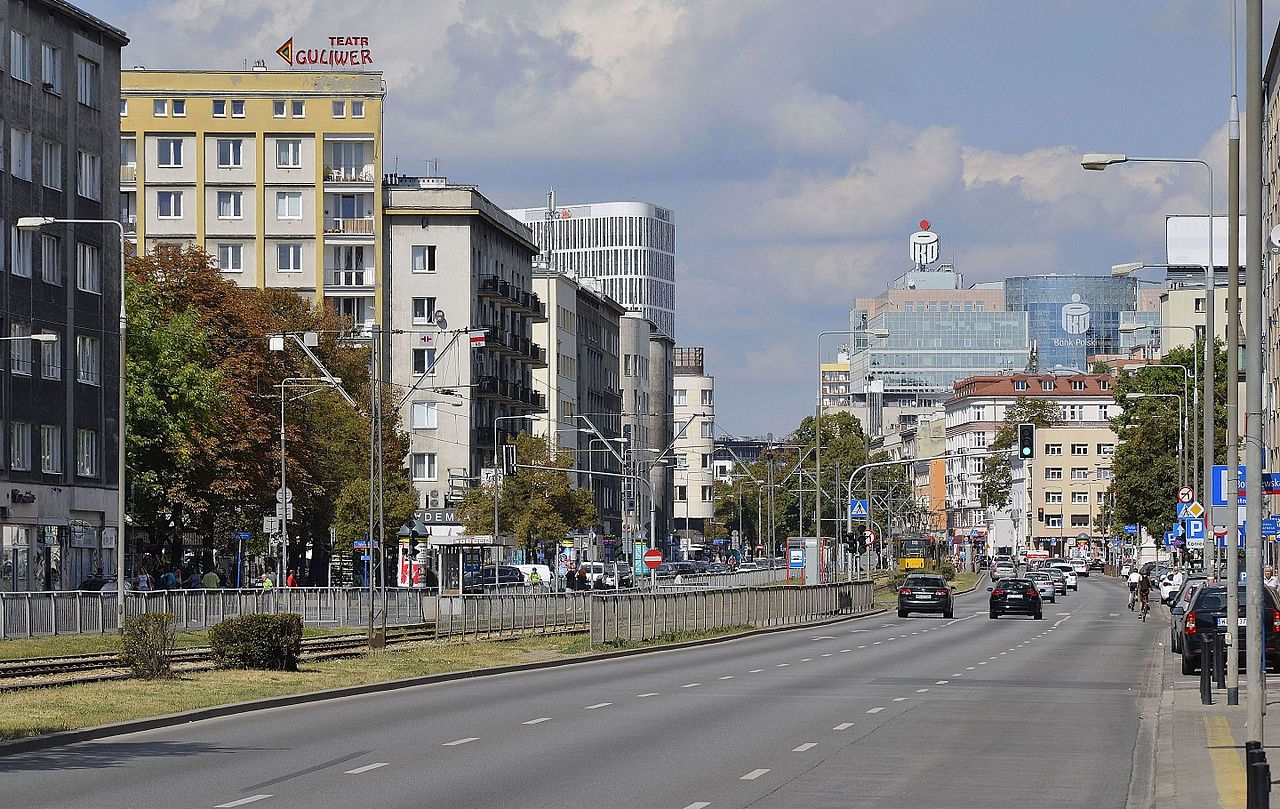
(642,616)
(507,614)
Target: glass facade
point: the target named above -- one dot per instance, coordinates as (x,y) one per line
(929,351)
(1071,316)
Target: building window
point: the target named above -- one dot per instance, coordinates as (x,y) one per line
(423,258)
(680,396)
(50,449)
(978,440)
(339,109)
(230,204)
(124,107)
(88,268)
(1106,450)
(229,153)
(1053,521)
(87,82)
(682,462)
(422,416)
(707,398)
(1080,520)
(1053,473)
(170,153)
(1052,449)
(1079,473)
(22,248)
(20,153)
(424,361)
(1077,384)
(50,259)
(288,154)
(230,257)
(423,311)
(1073,413)
(1200,306)
(20,446)
(51,165)
(20,349)
(288,204)
(219,108)
(1019,384)
(1079,449)
(708,429)
(277,109)
(19,57)
(299,109)
(708,493)
(169,204)
(682,494)
(357,109)
(423,465)
(51,360)
(1104,473)
(237,108)
(706,460)
(289,257)
(179,108)
(89,178)
(1053,497)
(88,360)
(51,68)
(1047,384)
(86,453)
(1080,497)
(160,108)
(1104,384)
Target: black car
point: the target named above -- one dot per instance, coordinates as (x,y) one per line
(1015,597)
(476,581)
(1207,616)
(924,594)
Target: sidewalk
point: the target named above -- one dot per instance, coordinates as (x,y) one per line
(1200,748)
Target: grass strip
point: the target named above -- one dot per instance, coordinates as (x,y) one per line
(57,645)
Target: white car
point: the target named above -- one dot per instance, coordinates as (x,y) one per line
(1168,586)
(1080,566)
(1069,573)
(1044,583)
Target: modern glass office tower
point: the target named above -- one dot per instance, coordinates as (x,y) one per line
(1071,317)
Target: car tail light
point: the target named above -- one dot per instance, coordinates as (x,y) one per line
(997,592)
(1034,593)
(1191,623)
(906,591)
(944,592)
(1275,620)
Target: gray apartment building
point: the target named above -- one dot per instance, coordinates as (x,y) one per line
(59,94)
(600,402)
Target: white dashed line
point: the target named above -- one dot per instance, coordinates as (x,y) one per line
(844,651)
(698,805)
(982,663)
(242,801)
(921,690)
(755,671)
(958,674)
(843,726)
(537,721)
(457,742)
(876,710)
(877,643)
(858,630)
(367,767)
(727,677)
(597,705)
(942,682)
(827,654)
(968,668)
(649,694)
(806,660)
(686,685)
(862,647)
(899,699)
(804,747)
(753,775)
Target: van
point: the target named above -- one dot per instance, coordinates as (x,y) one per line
(546,578)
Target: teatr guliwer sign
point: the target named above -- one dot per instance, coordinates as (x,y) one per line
(341,52)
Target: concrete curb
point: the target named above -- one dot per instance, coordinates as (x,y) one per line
(66,737)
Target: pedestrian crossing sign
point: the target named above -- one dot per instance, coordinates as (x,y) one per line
(1190,511)
(858,509)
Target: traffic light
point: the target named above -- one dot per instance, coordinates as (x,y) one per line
(1040,514)
(1026,441)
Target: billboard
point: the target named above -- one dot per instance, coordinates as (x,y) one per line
(1187,240)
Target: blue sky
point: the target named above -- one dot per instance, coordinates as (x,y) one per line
(799,143)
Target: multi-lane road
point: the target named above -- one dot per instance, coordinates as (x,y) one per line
(875,712)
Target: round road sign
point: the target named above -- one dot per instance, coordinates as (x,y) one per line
(1219,530)
(1186,494)
(652,558)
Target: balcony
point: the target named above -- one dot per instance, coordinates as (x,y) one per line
(349,173)
(128,173)
(349,226)
(130,222)
(491,286)
(362,278)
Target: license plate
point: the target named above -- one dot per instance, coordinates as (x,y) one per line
(1015,598)
(1222,622)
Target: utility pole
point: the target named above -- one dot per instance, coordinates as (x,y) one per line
(1253,373)
(1233,354)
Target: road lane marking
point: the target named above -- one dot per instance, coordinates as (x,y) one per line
(982,662)
(899,699)
(698,805)
(858,630)
(753,775)
(537,721)
(915,633)
(686,685)
(942,682)
(648,694)
(242,801)
(862,647)
(877,643)
(958,674)
(755,671)
(843,726)
(968,668)
(807,660)
(367,767)
(783,665)
(824,637)
(804,747)
(457,742)
(827,654)
(845,650)
(1113,615)
(876,710)
(921,690)
(727,677)
(597,705)
(892,638)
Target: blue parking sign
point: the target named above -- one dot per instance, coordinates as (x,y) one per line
(1195,528)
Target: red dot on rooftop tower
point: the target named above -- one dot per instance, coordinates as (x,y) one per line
(924,224)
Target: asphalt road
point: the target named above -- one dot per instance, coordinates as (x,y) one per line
(869,713)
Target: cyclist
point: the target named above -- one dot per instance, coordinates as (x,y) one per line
(1134,578)
(1144,596)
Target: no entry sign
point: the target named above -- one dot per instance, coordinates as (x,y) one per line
(652,558)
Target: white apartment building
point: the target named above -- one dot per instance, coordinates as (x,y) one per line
(694,402)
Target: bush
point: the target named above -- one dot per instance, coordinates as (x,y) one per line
(271,642)
(947,571)
(897,578)
(148,645)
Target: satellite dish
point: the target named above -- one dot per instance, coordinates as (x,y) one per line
(1275,239)
(440,321)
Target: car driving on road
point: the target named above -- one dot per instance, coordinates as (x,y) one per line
(1068,572)
(1015,597)
(1059,579)
(924,594)
(1003,569)
(1045,584)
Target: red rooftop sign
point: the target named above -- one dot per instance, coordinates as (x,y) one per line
(341,52)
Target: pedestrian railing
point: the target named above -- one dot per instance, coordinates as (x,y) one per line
(508,614)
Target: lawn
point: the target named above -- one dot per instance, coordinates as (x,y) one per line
(57,645)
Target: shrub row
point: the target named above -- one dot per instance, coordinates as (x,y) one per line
(271,642)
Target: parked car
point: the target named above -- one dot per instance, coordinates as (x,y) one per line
(476,581)
(1207,616)
(610,575)
(1015,597)
(746,567)
(1059,578)
(1045,584)
(1067,571)
(924,594)
(1178,604)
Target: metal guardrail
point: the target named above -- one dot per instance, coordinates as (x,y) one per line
(507,614)
(643,616)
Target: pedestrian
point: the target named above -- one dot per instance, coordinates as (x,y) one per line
(171,579)
(144,580)
(267,583)
(195,581)
(582,577)
(210,581)
(291,580)
(1269,577)
(535,578)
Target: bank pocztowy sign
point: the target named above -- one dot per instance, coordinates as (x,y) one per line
(341,52)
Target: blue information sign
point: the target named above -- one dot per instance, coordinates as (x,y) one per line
(858,509)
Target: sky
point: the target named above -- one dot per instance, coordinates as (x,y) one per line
(798,142)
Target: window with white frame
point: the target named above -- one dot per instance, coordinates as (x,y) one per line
(680,396)
(50,449)
(20,446)
(707,396)
(1073,412)
(1047,384)
(288,153)
(339,109)
(1053,520)
(1104,473)
(88,268)
(87,453)
(423,310)
(169,204)
(1079,449)
(1019,384)
(19,57)
(1104,385)
(1080,497)
(170,153)
(357,109)
(1079,520)
(708,429)
(1106,450)
(423,258)
(229,153)
(708,493)
(51,165)
(682,462)
(230,204)
(21,245)
(160,107)
(423,415)
(1077,384)
(978,440)
(51,360)
(289,257)
(299,109)
(20,153)
(237,108)
(424,361)
(88,360)
(682,493)
(1053,497)
(87,82)
(89,176)
(179,108)
(20,349)
(1053,473)
(219,108)
(1052,449)
(50,259)
(288,204)
(230,257)
(51,68)
(124,107)
(423,465)
(1079,473)
(277,109)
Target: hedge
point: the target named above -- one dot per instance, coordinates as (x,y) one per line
(271,642)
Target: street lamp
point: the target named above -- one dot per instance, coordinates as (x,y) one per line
(497,462)
(1193,405)
(38,337)
(1180,400)
(33,224)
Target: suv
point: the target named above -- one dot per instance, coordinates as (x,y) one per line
(920,593)
(476,581)
(1207,616)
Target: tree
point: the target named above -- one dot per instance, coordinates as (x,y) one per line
(997,470)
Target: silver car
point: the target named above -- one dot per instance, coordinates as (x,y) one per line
(1045,584)
(1003,570)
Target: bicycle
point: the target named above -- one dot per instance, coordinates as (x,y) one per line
(1145,611)
(1133,597)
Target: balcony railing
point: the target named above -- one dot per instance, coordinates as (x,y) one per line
(129,173)
(349,173)
(352,226)
(350,278)
(494,287)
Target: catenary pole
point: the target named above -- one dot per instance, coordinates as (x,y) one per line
(1254,373)
(1232,459)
